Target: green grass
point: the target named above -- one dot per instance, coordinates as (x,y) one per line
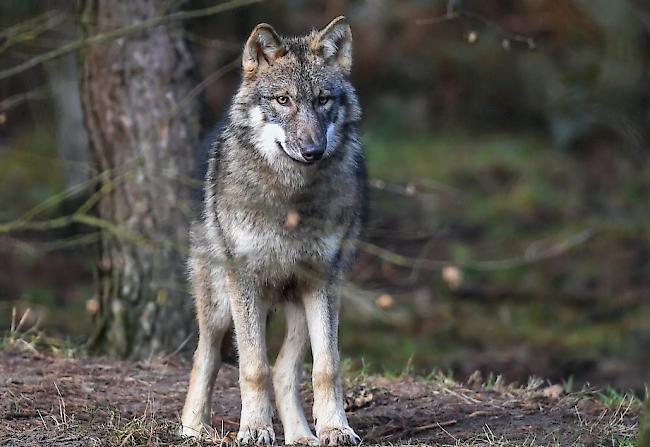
(615,398)
(27,336)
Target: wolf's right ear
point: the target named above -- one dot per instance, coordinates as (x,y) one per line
(262,48)
(334,44)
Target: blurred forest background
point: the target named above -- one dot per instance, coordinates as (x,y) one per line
(508,147)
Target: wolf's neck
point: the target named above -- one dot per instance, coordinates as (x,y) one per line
(245,167)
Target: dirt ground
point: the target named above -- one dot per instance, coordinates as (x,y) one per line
(51,401)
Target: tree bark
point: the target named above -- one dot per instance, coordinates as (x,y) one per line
(143,143)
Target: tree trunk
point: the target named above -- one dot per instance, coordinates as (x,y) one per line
(144,144)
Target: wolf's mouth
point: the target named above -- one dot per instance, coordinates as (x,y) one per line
(294,158)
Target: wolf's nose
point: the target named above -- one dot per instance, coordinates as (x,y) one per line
(312,152)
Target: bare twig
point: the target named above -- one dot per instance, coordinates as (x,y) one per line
(212,43)
(203,84)
(42,248)
(18,99)
(530,257)
(435,425)
(29,29)
(454,14)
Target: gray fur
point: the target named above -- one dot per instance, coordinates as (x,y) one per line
(279,227)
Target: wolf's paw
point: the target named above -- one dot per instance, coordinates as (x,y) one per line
(338,436)
(202,432)
(185,431)
(310,440)
(263,435)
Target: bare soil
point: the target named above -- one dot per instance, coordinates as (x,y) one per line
(51,401)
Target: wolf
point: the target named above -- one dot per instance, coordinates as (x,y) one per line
(284,203)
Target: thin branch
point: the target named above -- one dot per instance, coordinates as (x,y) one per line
(456,14)
(202,85)
(43,225)
(41,248)
(116,230)
(28,24)
(20,98)
(120,32)
(29,29)
(218,44)
(529,257)
(59,197)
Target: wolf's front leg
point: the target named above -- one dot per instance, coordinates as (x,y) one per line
(287,374)
(249,318)
(322,310)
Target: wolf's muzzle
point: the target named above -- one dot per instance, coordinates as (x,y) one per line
(312,152)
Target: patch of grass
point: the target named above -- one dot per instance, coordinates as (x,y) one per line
(354,374)
(493,381)
(568,384)
(31,338)
(441,377)
(147,429)
(615,398)
(614,426)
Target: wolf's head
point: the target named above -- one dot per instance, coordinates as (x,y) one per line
(296,97)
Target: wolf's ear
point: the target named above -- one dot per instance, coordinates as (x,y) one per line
(334,44)
(262,48)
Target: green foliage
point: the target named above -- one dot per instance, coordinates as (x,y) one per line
(512,194)
(616,398)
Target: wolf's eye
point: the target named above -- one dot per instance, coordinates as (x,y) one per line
(322,100)
(282,100)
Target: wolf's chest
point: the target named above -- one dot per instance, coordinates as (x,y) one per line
(279,247)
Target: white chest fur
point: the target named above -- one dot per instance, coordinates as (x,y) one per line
(279,251)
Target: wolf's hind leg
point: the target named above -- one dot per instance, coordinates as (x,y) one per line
(213,313)
(287,374)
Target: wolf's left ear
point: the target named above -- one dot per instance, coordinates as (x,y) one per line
(262,48)
(334,44)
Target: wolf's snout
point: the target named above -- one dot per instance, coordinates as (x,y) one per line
(312,152)
(312,147)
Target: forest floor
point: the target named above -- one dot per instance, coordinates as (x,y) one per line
(54,401)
